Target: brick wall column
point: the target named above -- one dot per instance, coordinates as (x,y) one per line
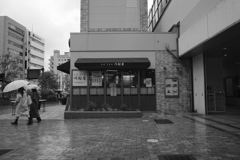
(168,66)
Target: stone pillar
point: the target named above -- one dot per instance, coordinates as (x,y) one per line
(168,66)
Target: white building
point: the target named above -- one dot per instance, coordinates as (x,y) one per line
(13,40)
(56,60)
(36,50)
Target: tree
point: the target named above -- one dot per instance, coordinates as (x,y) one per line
(66,81)
(48,81)
(9,65)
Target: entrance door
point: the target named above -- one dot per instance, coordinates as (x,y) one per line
(130,89)
(113,87)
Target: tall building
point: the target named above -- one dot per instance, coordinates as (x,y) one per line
(56,60)
(13,40)
(36,49)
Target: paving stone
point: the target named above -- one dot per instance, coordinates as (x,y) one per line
(126,139)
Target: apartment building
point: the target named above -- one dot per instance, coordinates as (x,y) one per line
(56,60)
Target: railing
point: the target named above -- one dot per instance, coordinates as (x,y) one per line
(156,12)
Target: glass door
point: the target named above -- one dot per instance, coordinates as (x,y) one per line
(113,88)
(130,89)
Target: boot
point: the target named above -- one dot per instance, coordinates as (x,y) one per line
(29,121)
(39,119)
(15,122)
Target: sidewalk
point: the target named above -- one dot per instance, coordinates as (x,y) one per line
(116,139)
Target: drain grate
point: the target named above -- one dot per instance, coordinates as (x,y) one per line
(4,151)
(163,121)
(176,157)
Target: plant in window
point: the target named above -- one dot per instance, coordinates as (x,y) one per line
(91,106)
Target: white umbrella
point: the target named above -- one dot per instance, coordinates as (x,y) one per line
(15,85)
(32,86)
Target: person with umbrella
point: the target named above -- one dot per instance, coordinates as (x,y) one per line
(21,106)
(21,100)
(34,97)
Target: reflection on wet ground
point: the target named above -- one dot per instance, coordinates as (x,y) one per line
(129,139)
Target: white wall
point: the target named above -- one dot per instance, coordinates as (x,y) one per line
(121,42)
(114,14)
(223,15)
(198,84)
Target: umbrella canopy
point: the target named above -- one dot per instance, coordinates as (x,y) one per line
(32,86)
(15,85)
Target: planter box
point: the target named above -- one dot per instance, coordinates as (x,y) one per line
(101,114)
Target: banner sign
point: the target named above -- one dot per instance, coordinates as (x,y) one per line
(79,78)
(96,78)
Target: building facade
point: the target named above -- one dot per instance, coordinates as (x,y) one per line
(115,60)
(208,37)
(36,51)
(13,39)
(56,60)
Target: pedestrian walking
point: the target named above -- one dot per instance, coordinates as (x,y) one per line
(34,106)
(21,106)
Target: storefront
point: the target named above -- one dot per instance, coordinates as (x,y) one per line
(115,81)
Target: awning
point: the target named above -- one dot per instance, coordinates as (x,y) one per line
(112,63)
(65,67)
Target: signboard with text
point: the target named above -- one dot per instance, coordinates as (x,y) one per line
(79,78)
(96,78)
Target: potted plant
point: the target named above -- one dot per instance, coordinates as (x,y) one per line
(91,106)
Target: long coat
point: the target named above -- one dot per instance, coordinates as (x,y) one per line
(21,107)
(34,106)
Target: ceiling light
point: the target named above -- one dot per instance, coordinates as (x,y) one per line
(225,55)
(224,48)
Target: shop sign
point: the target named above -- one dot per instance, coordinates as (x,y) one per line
(113,64)
(79,78)
(171,87)
(96,78)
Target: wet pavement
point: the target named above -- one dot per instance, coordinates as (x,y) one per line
(119,139)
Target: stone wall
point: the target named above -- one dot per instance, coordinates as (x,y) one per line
(85,19)
(168,66)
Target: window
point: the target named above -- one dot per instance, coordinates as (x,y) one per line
(15,36)
(16,29)
(36,57)
(38,42)
(36,49)
(15,44)
(147,81)
(15,52)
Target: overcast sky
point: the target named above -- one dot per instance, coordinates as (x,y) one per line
(53,20)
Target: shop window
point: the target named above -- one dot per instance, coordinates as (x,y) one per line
(147,82)
(130,82)
(96,83)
